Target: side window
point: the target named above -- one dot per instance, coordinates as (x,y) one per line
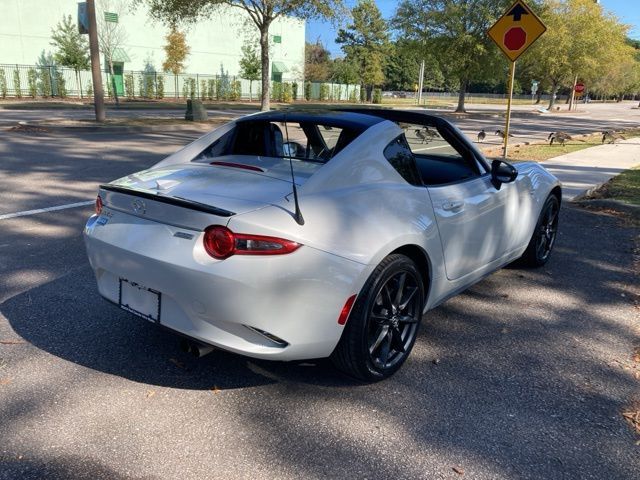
(400,157)
(439,160)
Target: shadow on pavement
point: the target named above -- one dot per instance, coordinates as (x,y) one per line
(518,375)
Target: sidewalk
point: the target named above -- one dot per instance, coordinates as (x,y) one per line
(585,169)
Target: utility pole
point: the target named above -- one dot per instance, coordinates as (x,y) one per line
(420,82)
(98,92)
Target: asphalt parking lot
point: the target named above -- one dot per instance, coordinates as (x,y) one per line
(525,375)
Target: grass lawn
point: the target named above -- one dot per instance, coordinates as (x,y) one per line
(624,187)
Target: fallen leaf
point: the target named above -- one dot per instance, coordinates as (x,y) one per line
(436,361)
(150,393)
(5,381)
(458,470)
(215,390)
(12,342)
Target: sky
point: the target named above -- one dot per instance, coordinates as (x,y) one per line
(628,11)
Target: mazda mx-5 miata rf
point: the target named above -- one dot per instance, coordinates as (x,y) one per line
(296,235)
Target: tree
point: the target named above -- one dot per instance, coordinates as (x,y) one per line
(456,32)
(317,62)
(72,47)
(261,13)
(582,42)
(365,42)
(176,52)
(250,66)
(111,35)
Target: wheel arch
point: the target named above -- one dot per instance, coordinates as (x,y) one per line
(422,260)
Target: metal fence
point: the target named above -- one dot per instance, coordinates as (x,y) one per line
(35,81)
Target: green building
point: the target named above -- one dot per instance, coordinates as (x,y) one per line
(26,25)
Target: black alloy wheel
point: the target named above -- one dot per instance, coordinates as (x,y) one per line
(384,322)
(544,236)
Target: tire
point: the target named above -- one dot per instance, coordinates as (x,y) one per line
(383,325)
(544,235)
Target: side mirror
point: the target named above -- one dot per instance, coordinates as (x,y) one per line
(502,172)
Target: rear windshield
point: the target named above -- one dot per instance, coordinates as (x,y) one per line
(306,141)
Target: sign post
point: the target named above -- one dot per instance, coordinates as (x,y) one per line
(514,32)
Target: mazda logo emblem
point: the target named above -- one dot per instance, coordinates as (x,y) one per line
(139,207)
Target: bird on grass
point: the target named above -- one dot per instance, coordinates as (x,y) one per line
(482,135)
(612,136)
(500,133)
(559,137)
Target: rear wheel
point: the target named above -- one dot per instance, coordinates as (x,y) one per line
(383,324)
(544,236)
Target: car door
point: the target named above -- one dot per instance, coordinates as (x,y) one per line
(470,211)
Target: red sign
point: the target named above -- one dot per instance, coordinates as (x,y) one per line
(579,87)
(515,38)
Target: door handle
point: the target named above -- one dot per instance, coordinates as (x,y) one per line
(452,206)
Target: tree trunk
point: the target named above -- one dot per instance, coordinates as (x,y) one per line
(113,83)
(264,57)
(251,90)
(461,95)
(79,79)
(369,90)
(538,96)
(552,100)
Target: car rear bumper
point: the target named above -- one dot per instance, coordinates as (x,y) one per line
(235,304)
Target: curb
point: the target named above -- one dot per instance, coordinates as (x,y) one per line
(608,203)
(116,128)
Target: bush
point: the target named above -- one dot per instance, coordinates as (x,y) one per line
(90,90)
(16,83)
(363,94)
(203,90)
(276,91)
(32,79)
(3,84)
(192,88)
(324,92)
(236,90)
(45,81)
(160,86)
(61,84)
(211,89)
(287,94)
(129,86)
(307,91)
(110,87)
(294,90)
(377,95)
(141,86)
(149,90)
(353,96)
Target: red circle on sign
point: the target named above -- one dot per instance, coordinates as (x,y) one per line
(579,87)
(515,38)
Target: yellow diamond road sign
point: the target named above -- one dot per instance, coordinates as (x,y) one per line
(516,30)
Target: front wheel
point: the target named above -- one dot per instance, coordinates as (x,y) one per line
(544,236)
(383,325)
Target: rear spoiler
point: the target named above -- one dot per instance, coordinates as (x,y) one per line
(177,201)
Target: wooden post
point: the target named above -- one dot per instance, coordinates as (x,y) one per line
(512,72)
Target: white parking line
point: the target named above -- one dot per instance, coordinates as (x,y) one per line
(45,210)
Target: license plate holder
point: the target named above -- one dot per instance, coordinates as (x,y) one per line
(139,300)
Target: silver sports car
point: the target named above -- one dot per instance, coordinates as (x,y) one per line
(295,235)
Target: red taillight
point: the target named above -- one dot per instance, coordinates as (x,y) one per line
(98,205)
(346,310)
(221,243)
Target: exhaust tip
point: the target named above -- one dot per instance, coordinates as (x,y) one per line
(194,348)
